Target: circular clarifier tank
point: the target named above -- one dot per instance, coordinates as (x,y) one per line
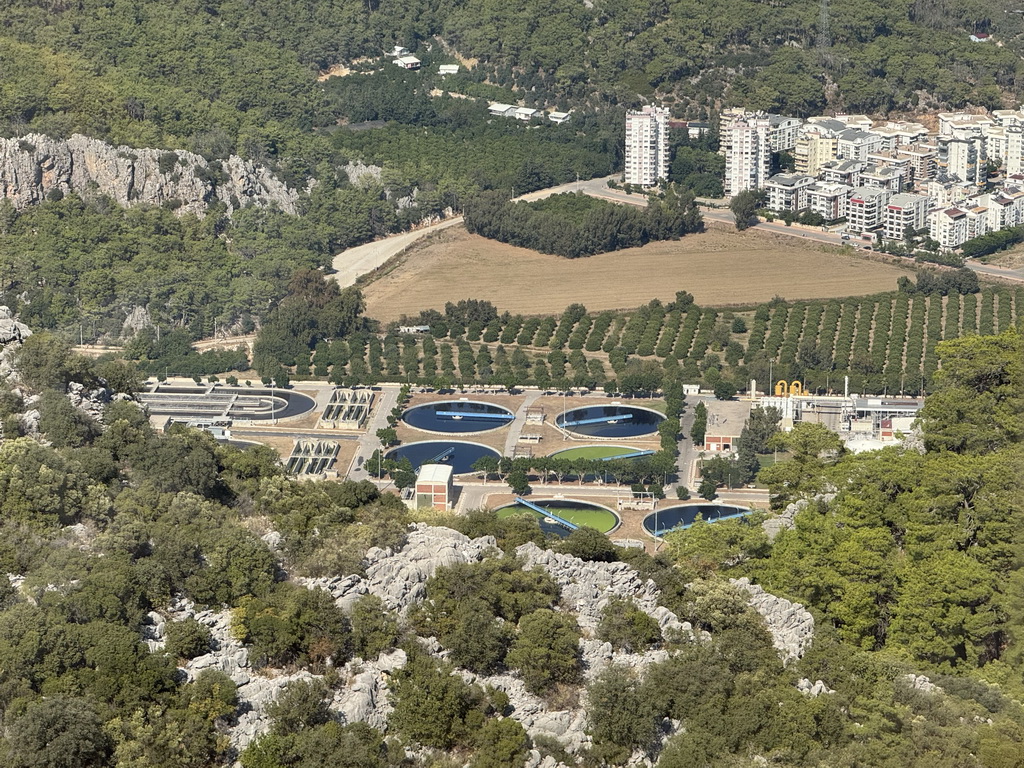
(677,518)
(457,416)
(610,421)
(459,455)
(571,510)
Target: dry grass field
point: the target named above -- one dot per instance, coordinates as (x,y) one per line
(718,267)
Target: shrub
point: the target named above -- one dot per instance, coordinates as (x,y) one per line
(187,639)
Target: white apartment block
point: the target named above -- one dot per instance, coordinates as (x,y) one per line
(995,143)
(865,210)
(904,211)
(963,159)
(899,133)
(843,172)
(829,200)
(951,123)
(745,144)
(860,122)
(945,193)
(948,226)
(1005,208)
(977,220)
(783,133)
(647,153)
(1014,157)
(1009,118)
(884,176)
(855,144)
(788,192)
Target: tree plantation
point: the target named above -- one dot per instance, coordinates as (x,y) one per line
(884,343)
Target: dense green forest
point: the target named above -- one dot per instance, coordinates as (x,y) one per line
(575,225)
(910,560)
(228,74)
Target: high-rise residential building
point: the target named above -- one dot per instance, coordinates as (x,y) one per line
(646,146)
(816,144)
(963,159)
(1014,157)
(788,191)
(744,140)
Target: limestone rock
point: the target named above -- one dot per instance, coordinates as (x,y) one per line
(790,624)
(12,331)
(34,167)
(920,683)
(587,587)
(399,578)
(815,689)
(784,521)
(136,319)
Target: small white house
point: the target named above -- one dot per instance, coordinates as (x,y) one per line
(558,117)
(448,69)
(408,62)
(525,114)
(399,51)
(497,109)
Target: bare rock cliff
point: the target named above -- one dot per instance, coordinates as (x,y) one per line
(35,166)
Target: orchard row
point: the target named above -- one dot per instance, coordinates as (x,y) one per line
(884,343)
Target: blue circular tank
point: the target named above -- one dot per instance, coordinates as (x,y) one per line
(457,416)
(680,517)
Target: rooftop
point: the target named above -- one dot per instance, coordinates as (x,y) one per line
(439,474)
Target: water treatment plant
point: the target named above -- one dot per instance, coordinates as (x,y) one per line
(233,403)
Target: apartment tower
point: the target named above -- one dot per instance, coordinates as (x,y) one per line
(646,146)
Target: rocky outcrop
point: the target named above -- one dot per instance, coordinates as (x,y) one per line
(587,587)
(814,690)
(363,697)
(790,624)
(399,577)
(920,683)
(92,401)
(36,167)
(786,519)
(12,331)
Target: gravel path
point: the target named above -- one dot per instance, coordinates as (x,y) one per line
(349,265)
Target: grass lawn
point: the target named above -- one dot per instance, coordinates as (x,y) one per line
(770,460)
(593,452)
(599,519)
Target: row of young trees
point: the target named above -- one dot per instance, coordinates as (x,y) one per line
(574,225)
(883,343)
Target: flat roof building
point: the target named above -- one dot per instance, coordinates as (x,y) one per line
(434,486)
